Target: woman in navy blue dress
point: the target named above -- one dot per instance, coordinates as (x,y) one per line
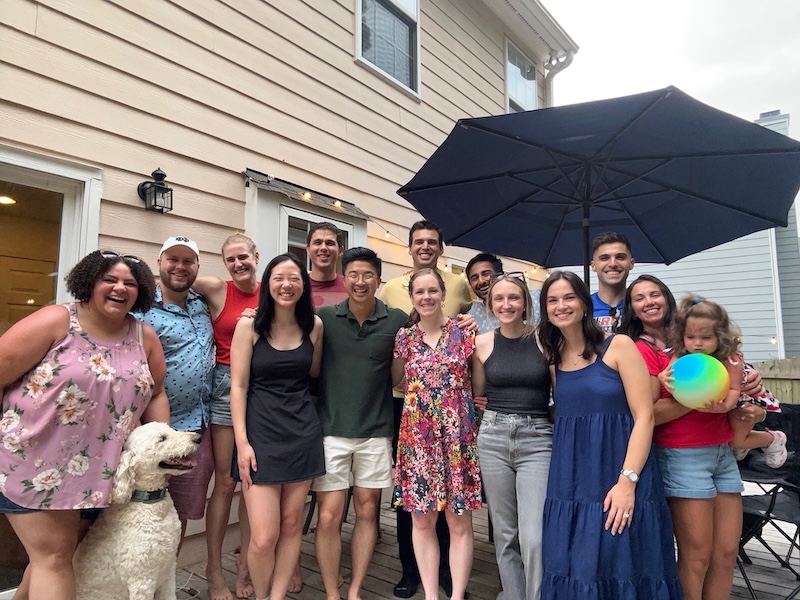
(607,527)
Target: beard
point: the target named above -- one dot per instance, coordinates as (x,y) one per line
(175,286)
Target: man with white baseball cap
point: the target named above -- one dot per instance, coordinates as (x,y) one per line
(182,321)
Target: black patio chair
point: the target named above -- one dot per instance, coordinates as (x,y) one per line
(778,506)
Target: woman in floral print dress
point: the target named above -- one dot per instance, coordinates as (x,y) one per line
(437,456)
(76,379)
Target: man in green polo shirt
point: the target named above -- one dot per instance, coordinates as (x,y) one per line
(356,411)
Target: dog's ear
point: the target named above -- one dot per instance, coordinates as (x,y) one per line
(123,479)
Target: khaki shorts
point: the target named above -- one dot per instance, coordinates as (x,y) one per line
(368,459)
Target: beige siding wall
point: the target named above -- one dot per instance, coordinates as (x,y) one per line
(206,89)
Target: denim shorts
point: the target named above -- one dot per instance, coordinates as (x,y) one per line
(7,507)
(699,472)
(220,404)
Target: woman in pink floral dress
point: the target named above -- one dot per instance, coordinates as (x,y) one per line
(76,379)
(437,456)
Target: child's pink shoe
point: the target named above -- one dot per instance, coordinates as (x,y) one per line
(776,451)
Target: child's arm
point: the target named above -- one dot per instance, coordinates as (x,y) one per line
(735,373)
(665,378)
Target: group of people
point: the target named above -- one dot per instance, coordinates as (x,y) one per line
(588,465)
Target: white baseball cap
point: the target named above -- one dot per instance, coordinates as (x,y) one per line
(180,241)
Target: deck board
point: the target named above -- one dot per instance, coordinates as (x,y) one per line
(770,580)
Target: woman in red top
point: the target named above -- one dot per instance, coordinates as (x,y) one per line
(227,300)
(701,478)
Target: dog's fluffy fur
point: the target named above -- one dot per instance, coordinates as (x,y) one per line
(130,551)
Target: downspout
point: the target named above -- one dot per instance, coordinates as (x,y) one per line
(553,67)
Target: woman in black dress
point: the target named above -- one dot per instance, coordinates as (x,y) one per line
(276,428)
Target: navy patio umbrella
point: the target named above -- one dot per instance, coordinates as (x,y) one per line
(672,174)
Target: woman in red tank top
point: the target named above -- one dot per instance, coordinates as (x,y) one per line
(226,301)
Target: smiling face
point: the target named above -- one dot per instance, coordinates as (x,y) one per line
(323,249)
(649,305)
(480,278)
(612,263)
(564,307)
(361,281)
(507,302)
(425,249)
(177,268)
(116,291)
(427,295)
(240,261)
(699,336)
(285,283)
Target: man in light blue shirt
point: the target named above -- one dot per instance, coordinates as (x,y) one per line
(481,271)
(182,321)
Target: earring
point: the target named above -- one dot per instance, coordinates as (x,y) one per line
(634,318)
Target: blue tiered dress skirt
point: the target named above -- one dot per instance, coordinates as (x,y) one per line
(582,560)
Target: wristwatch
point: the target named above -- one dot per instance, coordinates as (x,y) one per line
(632,475)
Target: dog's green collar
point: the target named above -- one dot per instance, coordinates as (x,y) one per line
(149,497)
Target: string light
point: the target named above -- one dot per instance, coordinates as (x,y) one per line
(338,204)
(306,195)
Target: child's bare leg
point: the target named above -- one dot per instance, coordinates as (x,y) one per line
(745,437)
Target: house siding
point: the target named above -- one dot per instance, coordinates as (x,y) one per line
(204,90)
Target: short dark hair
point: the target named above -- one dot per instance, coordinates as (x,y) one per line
(610,237)
(633,327)
(551,338)
(496,263)
(92,267)
(303,310)
(425,225)
(363,254)
(326,226)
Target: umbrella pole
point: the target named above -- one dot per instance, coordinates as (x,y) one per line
(586,246)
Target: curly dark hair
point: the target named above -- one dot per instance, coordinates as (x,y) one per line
(303,310)
(550,336)
(729,338)
(92,267)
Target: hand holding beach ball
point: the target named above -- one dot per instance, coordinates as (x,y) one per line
(699,379)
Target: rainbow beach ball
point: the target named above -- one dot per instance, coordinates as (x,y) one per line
(699,379)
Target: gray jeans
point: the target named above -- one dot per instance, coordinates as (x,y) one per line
(515,459)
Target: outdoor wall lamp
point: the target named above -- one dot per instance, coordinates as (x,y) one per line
(156,194)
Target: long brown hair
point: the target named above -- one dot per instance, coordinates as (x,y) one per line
(550,336)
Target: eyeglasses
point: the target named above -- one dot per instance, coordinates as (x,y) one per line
(365,277)
(511,274)
(126,257)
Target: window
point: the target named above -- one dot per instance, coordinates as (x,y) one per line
(520,80)
(388,39)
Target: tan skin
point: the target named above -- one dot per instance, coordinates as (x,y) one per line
(361,282)
(427,296)
(565,310)
(612,263)
(707,531)
(51,536)
(241,261)
(323,252)
(276,510)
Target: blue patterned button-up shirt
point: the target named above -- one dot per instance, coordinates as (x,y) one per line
(486,321)
(188,342)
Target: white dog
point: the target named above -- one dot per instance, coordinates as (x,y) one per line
(130,552)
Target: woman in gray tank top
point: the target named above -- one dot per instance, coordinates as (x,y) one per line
(515,437)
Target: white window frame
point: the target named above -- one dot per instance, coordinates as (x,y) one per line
(267,221)
(82,188)
(509,43)
(414,92)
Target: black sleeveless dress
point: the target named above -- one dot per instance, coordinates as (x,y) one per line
(282,424)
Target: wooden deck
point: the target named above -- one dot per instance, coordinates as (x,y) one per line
(769,579)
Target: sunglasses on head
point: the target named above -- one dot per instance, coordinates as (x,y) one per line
(511,274)
(126,257)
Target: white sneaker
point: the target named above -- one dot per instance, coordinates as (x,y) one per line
(740,453)
(776,451)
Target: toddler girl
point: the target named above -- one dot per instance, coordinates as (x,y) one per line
(704,327)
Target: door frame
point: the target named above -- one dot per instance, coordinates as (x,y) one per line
(82,188)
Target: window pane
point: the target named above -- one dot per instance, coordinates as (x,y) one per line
(388,39)
(520,80)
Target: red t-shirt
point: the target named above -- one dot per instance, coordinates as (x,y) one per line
(328,293)
(225,324)
(694,429)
